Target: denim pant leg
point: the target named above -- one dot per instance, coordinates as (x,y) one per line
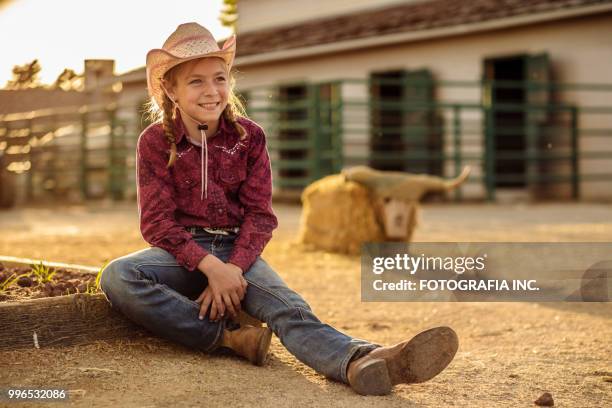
(314,343)
(152,290)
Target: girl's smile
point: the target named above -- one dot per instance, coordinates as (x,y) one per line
(209,106)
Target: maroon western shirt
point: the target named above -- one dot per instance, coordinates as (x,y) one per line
(239,191)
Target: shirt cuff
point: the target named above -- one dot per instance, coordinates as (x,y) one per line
(190,255)
(242,258)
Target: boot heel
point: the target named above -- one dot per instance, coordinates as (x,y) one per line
(373,378)
(264,346)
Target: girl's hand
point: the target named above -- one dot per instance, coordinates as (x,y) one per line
(227,285)
(205,300)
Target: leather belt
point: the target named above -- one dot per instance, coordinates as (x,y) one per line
(215,231)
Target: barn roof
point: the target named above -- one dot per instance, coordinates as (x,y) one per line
(411,18)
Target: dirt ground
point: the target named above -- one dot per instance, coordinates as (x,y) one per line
(510,353)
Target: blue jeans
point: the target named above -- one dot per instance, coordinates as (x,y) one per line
(152,290)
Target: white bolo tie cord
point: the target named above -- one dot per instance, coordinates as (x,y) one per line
(202,127)
(204,169)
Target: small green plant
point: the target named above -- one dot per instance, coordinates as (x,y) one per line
(43,273)
(99,276)
(9,282)
(91,289)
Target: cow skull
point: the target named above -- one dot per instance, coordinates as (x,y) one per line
(396,195)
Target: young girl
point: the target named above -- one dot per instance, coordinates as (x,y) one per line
(204,197)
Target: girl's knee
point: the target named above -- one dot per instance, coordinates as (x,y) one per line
(272,287)
(114,273)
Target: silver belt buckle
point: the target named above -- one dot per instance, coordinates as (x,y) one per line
(216,231)
(219,231)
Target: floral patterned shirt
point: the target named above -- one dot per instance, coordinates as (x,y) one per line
(239,191)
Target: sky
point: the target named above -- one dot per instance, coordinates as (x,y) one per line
(63,33)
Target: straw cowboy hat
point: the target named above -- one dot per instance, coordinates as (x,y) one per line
(189,41)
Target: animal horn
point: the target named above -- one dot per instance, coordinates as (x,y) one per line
(457,181)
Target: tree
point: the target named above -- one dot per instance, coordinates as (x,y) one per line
(68,80)
(229,14)
(4,3)
(25,76)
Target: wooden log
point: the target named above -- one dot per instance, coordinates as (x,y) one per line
(62,321)
(14,261)
(66,320)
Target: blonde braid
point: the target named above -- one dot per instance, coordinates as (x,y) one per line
(168,124)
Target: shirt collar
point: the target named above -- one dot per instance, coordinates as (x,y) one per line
(180,130)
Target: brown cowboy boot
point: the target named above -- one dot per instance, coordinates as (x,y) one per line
(249,342)
(414,361)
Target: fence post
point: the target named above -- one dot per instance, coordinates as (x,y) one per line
(575,153)
(533,157)
(490,144)
(314,132)
(84,167)
(457,145)
(8,188)
(113,172)
(337,132)
(29,178)
(54,126)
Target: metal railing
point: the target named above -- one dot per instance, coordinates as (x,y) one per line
(550,147)
(551,140)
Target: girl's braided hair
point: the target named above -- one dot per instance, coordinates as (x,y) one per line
(167,114)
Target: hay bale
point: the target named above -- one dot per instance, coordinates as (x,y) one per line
(341,212)
(338,216)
